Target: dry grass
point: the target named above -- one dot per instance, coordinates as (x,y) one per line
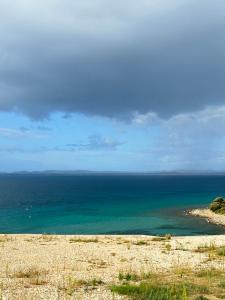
(214,252)
(29,273)
(168,247)
(181,270)
(141,243)
(3,239)
(33,276)
(83,240)
(71,284)
(166,237)
(206,248)
(48,237)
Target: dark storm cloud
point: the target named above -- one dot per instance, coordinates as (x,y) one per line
(111,58)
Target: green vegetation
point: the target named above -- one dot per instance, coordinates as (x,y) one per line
(134,276)
(128,276)
(218,205)
(179,283)
(158,291)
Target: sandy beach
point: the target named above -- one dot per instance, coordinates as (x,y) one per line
(209,215)
(84,267)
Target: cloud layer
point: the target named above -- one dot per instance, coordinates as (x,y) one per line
(96,142)
(111,58)
(193,141)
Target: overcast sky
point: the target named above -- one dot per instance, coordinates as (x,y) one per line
(112,85)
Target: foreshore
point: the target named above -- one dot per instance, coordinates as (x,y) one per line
(209,215)
(85,267)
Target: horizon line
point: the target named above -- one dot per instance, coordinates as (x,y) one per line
(166,172)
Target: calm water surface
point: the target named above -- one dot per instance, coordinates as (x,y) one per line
(96,204)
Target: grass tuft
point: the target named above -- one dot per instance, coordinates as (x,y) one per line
(220,251)
(166,237)
(141,243)
(209,273)
(29,273)
(168,247)
(83,240)
(128,277)
(71,284)
(34,275)
(206,248)
(135,276)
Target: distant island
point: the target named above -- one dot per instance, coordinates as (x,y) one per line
(109,172)
(215,213)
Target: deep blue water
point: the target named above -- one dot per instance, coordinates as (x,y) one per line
(97,204)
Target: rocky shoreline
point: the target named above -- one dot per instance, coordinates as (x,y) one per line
(209,215)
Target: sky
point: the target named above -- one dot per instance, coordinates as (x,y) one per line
(112,85)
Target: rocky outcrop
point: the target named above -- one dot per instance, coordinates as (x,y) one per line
(215,213)
(209,215)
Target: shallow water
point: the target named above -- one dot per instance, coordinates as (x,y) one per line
(95,204)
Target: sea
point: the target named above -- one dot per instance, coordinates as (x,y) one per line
(107,203)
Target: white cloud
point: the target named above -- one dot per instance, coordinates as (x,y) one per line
(143,119)
(19,133)
(96,142)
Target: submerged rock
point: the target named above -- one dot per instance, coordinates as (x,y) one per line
(218,205)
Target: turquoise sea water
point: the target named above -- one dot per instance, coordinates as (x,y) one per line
(106,204)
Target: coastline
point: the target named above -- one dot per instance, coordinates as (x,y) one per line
(210,216)
(83,267)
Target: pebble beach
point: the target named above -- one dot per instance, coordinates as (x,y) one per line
(84,267)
